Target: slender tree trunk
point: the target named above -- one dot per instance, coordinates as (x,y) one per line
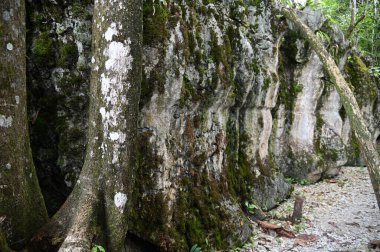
(350,104)
(105,184)
(354,21)
(21,202)
(374,34)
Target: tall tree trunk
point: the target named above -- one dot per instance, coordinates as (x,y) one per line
(350,104)
(105,184)
(21,201)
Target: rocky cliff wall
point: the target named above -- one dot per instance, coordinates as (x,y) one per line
(233,101)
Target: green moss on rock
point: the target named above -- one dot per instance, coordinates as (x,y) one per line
(155,23)
(364,88)
(197,214)
(78,10)
(355,146)
(43,45)
(68,54)
(238,171)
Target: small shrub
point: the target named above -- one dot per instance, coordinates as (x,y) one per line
(98,248)
(196,248)
(251,207)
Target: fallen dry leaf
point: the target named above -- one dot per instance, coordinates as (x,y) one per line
(304,239)
(285,233)
(278,229)
(267,225)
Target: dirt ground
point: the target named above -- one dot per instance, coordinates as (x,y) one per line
(338,215)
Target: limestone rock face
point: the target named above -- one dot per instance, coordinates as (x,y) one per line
(59,46)
(232,102)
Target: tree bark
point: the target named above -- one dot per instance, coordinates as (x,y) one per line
(21,201)
(297,210)
(367,147)
(99,205)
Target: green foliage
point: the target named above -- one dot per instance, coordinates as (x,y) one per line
(296,88)
(291,180)
(287,3)
(334,51)
(98,248)
(304,182)
(299,227)
(323,36)
(366,37)
(313,4)
(254,2)
(196,248)
(251,207)
(249,246)
(334,11)
(374,71)
(236,250)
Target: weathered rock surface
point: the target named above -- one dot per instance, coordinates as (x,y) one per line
(232,102)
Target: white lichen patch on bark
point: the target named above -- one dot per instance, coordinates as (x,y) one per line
(7,15)
(112,30)
(121,5)
(10,46)
(119,56)
(114,87)
(17,98)
(120,199)
(6,121)
(114,136)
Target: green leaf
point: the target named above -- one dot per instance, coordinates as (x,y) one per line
(195,248)
(98,248)
(251,207)
(323,36)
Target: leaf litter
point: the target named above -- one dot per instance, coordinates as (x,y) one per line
(339,214)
